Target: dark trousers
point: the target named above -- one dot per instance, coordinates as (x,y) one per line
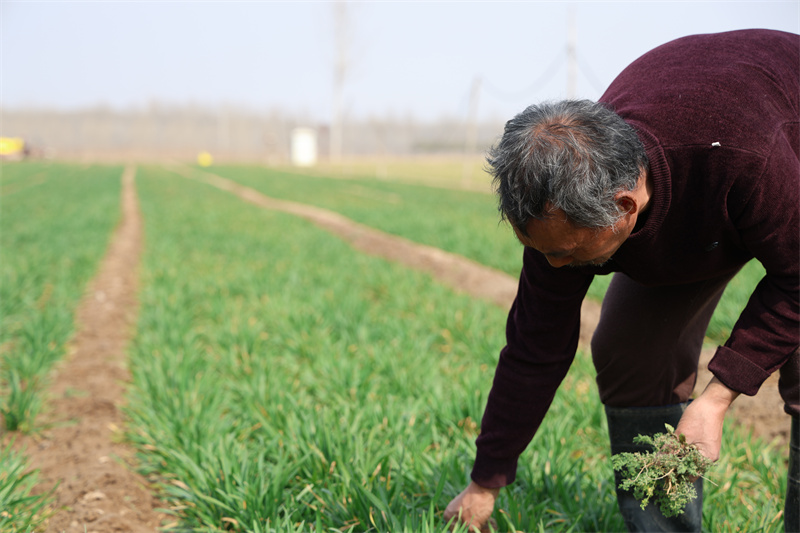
(647,344)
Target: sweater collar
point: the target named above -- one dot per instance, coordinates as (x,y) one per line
(662,188)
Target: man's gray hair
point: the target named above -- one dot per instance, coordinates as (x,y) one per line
(573,155)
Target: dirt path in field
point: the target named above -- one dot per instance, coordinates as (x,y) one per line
(763,413)
(80,450)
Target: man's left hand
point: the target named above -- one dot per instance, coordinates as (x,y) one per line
(702,421)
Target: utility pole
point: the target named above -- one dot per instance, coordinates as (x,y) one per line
(339,72)
(471,141)
(572,57)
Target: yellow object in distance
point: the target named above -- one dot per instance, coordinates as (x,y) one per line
(204,159)
(10,146)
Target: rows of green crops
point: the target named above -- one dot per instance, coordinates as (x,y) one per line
(462,222)
(55,224)
(284,382)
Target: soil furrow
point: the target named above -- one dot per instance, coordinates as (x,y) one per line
(80,452)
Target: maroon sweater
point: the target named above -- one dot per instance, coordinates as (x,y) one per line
(714,208)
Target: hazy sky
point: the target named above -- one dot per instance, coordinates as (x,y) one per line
(417,58)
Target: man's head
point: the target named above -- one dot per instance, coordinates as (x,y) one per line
(573,155)
(573,164)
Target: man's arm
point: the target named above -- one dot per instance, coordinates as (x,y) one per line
(541,339)
(767,218)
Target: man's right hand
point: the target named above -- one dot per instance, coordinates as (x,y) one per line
(473,507)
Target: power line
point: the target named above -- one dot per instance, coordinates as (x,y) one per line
(538,84)
(594,81)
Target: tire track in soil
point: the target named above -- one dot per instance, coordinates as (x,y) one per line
(81,449)
(762,413)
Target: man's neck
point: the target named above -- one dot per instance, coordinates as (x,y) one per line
(644,192)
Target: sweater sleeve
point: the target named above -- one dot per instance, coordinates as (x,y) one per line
(768,220)
(541,339)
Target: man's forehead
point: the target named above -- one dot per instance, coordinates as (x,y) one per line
(549,236)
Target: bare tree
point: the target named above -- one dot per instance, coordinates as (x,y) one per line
(339,73)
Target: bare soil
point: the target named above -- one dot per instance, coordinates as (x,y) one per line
(80,453)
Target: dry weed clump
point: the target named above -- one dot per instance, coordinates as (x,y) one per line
(666,475)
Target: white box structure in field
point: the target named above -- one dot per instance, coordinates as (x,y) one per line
(304,147)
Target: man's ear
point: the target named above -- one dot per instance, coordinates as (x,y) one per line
(626,202)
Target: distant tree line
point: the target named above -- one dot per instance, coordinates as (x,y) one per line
(161,132)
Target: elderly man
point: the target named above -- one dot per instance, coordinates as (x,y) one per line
(687,168)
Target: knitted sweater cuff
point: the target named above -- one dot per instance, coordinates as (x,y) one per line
(493,472)
(737,372)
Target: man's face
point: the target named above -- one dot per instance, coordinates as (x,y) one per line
(564,244)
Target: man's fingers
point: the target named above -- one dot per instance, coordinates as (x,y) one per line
(473,507)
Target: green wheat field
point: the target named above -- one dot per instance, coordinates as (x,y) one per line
(284,382)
